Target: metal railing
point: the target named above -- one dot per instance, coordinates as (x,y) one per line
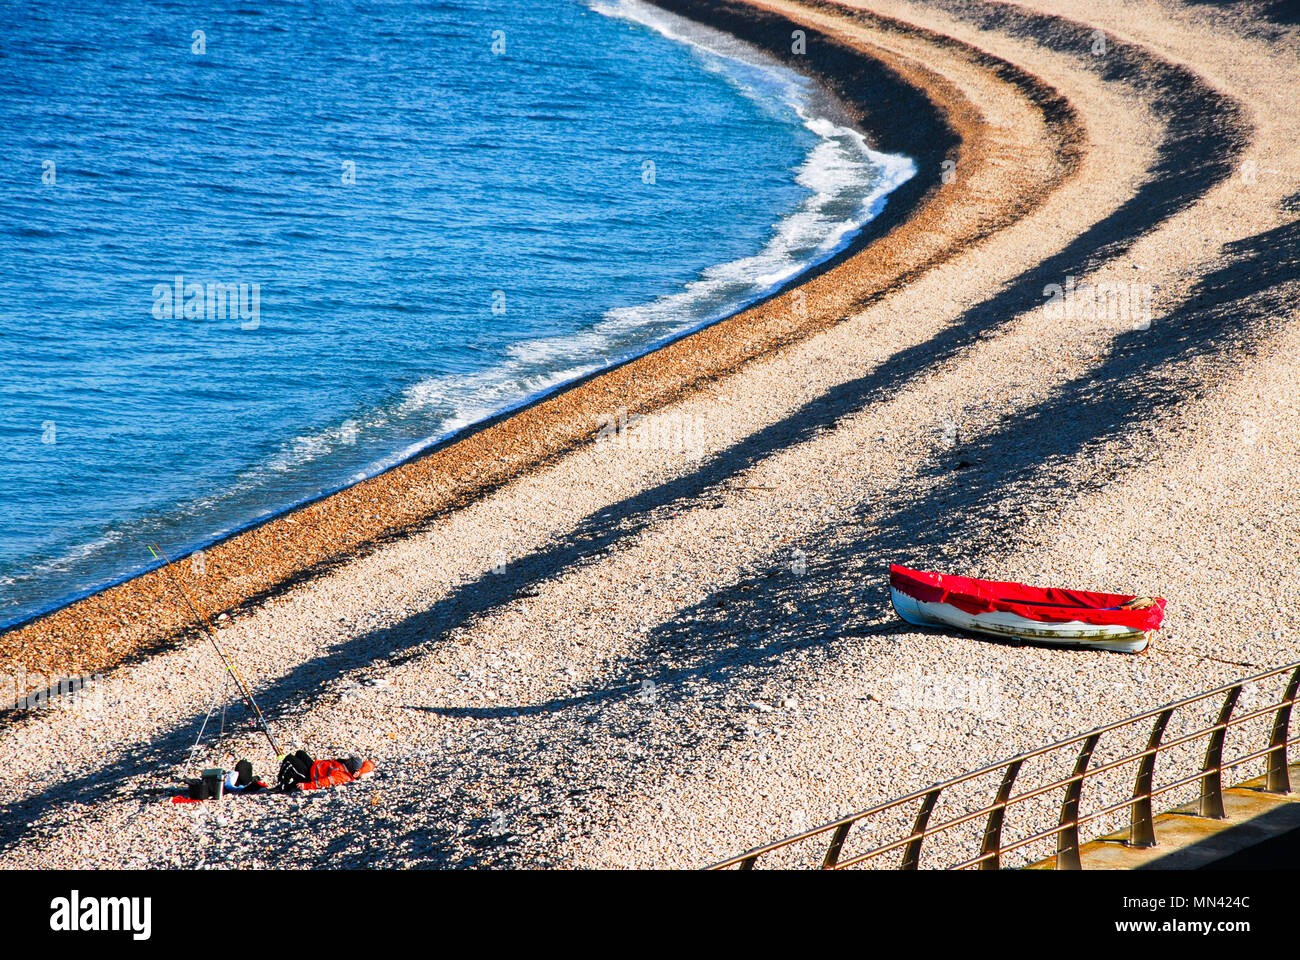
(1141,820)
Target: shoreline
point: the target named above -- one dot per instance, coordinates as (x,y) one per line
(899,107)
(827,108)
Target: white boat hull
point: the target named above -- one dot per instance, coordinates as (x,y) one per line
(1071,633)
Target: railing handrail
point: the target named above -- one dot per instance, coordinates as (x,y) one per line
(1139,801)
(1114,807)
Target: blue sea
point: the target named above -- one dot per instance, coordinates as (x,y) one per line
(254,251)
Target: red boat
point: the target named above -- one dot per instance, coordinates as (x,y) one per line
(1066,618)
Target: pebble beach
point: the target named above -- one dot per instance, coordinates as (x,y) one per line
(661,644)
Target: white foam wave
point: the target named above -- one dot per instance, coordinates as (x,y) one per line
(847,184)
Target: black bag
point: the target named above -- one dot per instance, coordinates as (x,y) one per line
(294,769)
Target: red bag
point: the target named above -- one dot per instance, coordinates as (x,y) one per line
(326,773)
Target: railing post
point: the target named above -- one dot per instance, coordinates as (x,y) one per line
(837,844)
(991,848)
(1142,827)
(1278,777)
(1067,840)
(1211,802)
(912,852)
(748,863)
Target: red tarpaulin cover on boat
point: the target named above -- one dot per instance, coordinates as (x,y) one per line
(1045,604)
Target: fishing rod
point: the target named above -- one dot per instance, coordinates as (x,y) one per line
(225,657)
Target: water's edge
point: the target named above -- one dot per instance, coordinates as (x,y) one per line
(846,246)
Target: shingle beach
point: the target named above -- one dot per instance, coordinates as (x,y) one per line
(660,645)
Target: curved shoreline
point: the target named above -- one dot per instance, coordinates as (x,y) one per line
(902,108)
(892,170)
